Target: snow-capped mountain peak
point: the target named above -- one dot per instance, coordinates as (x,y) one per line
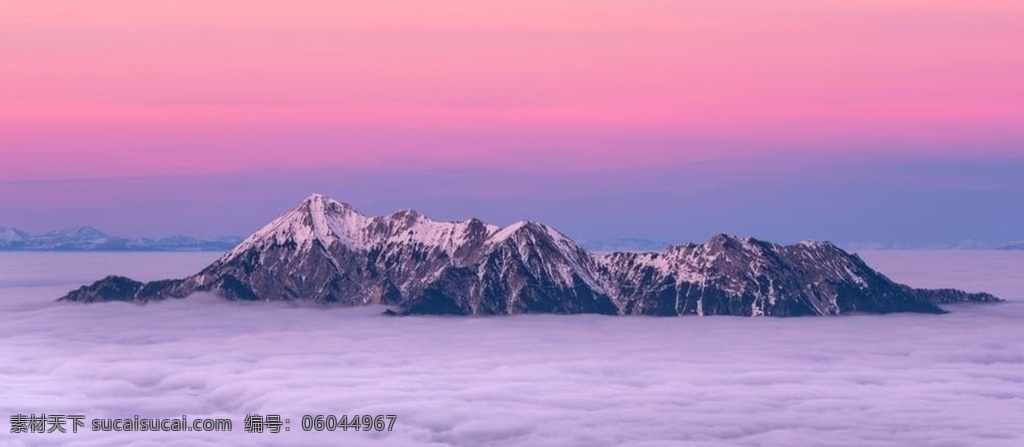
(317,219)
(320,219)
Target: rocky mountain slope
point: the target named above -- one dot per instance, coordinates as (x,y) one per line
(325,251)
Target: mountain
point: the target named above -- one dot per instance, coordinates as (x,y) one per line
(624,244)
(12,238)
(91,239)
(968,244)
(325,251)
(1013,246)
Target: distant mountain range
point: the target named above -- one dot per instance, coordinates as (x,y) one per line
(963,245)
(624,244)
(91,239)
(325,251)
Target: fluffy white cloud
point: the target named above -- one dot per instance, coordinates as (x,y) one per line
(862,381)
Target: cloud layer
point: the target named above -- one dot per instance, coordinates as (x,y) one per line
(952,380)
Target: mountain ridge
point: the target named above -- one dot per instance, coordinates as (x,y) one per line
(325,251)
(86,238)
(1019,245)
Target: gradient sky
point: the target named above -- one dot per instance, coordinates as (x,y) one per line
(851,120)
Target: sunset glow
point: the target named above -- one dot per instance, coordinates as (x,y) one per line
(175,87)
(180,107)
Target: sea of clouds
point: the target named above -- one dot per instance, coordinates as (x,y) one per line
(858,381)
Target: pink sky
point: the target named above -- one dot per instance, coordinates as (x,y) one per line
(105,88)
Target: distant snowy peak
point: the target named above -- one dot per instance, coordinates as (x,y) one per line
(10,237)
(1019,245)
(76,233)
(92,239)
(639,245)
